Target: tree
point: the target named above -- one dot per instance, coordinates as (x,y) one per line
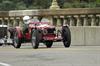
(20,6)
(61,2)
(98,1)
(7,5)
(28,2)
(45,4)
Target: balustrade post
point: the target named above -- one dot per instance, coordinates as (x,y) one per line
(85,21)
(99,22)
(71,21)
(11,22)
(20,22)
(98,19)
(58,22)
(61,19)
(1,20)
(55,20)
(51,20)
(14,20)
(17,21)
(7,20)
(65,22)
(93,20)
(78,21)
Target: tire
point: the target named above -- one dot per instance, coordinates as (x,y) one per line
(66,36)
(1,44)
(35,39)
(16,40)
(49,44)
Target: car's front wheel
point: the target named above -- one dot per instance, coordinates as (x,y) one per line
(66,35)
(35,39)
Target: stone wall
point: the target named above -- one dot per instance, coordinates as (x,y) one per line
(85,36)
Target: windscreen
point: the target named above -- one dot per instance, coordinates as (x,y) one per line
(45,20)
(34,20)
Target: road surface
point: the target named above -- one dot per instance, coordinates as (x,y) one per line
(55,56)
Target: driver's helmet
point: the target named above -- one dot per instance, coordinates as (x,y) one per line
(26,19)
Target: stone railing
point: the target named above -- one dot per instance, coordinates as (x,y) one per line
(58,17)
(84,23)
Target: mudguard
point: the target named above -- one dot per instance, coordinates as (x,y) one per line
(16,29)
(19,31)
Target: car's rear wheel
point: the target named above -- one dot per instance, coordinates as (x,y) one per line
(66,35)
(16,40)
(35,39)
(49,44)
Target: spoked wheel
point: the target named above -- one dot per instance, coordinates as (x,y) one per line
(49,44)
(35,39)
(16,41)
(66,35)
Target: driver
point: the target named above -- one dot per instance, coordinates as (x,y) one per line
(26,20)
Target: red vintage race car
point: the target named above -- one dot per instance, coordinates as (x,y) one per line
(40,32)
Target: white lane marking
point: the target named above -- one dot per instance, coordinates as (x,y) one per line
(4,64)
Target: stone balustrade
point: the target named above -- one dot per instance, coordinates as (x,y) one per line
(58,17)
(84,22)
(71,20)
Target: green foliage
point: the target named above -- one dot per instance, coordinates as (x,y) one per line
(67,5)
(19,6)
(98,5)
(98,1)
(61,2)
(92,5)
(81,5)
(84,5)
(75,5)
(6,5)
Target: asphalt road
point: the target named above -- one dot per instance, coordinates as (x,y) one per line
(55,56)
